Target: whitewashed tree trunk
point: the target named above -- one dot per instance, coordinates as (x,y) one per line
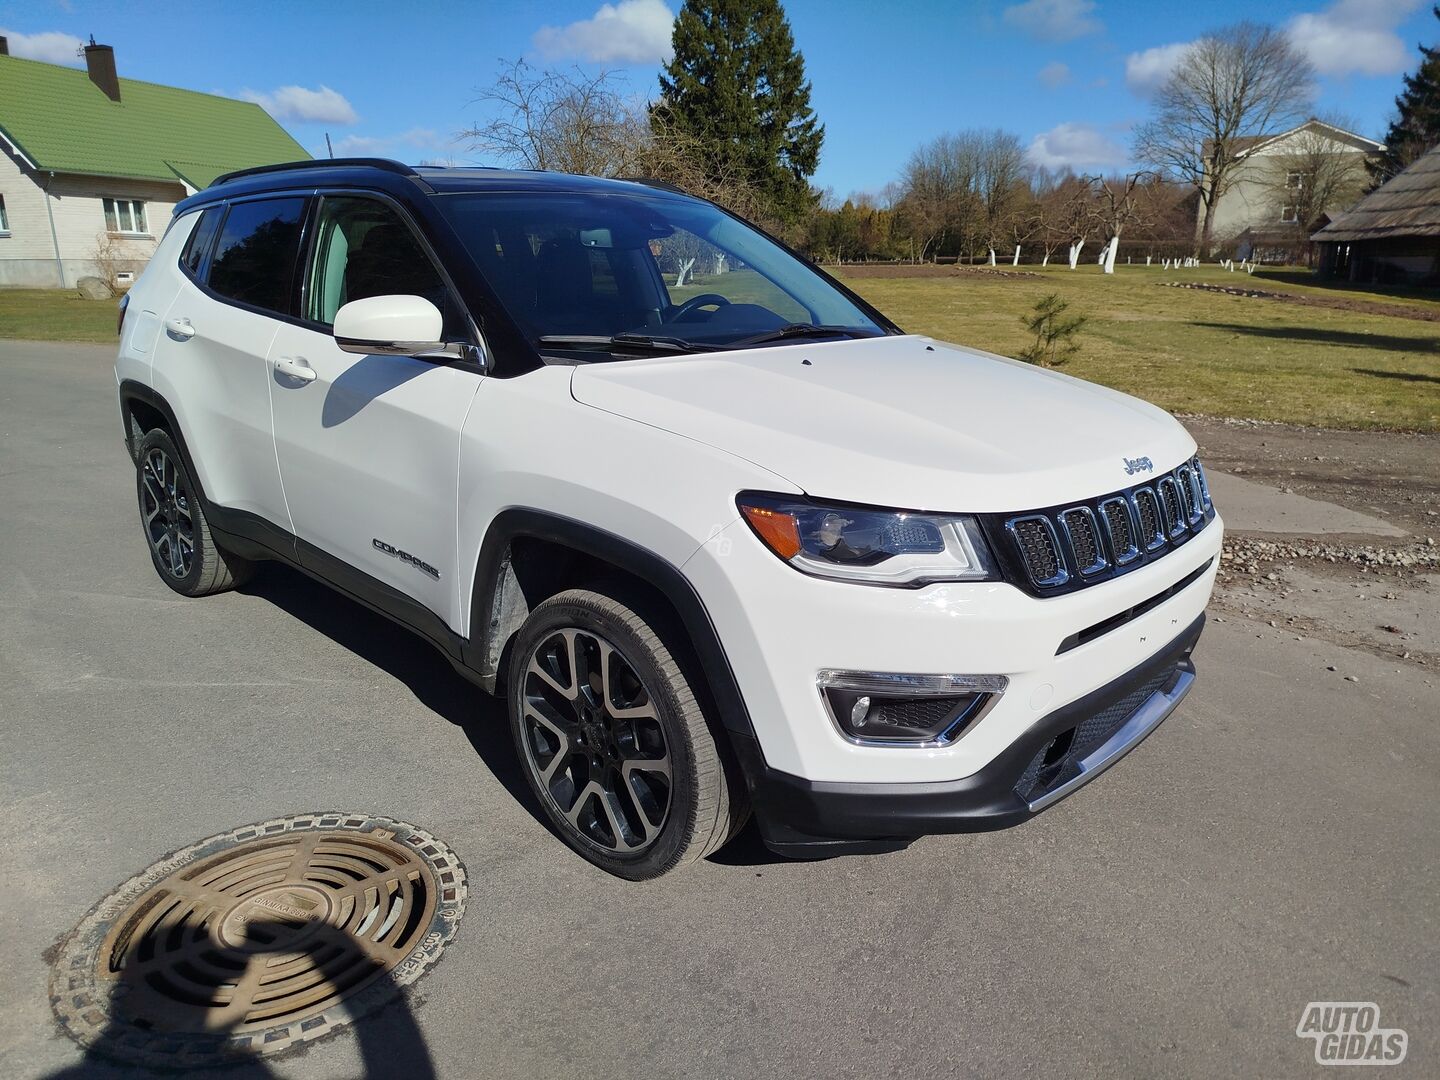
(1147,259)
(1016,261)
(1111,249)
(992,257)
(684,271)
(1046,260)
(1075,253)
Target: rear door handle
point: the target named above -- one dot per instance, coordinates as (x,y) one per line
(180,329)
(295,367)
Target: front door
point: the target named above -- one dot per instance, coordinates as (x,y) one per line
(369,445)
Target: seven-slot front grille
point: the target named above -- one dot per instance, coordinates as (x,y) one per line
(1066,547)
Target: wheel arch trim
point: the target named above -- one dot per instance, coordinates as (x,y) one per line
(492,567)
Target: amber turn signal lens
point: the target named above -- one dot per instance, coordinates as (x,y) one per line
(779,530)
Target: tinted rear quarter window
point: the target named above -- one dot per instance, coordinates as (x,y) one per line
(254,260)
(200,237)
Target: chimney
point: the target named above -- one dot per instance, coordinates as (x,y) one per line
(100,62)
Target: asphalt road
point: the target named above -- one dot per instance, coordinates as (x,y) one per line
(1274,843)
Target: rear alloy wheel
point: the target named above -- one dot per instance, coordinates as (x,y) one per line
(184,554)
(613,741)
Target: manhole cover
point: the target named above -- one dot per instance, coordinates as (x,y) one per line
(254,940)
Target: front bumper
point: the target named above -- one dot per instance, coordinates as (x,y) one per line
(1051,759)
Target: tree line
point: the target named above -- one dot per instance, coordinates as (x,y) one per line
(733,123)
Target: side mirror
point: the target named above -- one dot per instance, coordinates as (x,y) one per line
(393,325)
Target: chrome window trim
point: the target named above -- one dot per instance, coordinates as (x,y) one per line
(1103,563)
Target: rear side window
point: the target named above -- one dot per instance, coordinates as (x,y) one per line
(200,237)
(254,260)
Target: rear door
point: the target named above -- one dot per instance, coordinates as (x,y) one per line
(211,361)
(369,445)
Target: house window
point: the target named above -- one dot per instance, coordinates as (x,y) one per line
(1294,181)
(4,218)
(1287,214)
(125,216)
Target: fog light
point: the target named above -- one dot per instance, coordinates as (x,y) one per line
(858,711)
(907,710)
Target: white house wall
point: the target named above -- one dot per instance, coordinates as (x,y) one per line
(27,254)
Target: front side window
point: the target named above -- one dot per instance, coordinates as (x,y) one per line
(254,258)
(362,249)
(125,216)
(574,270)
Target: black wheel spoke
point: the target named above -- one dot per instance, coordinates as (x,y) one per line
(166,513)
(594,741)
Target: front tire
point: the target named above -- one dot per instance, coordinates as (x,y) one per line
(184,554)
(613,740)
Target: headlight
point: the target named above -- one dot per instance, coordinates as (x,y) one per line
(878,547)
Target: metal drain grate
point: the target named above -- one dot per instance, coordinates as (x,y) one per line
(252,941)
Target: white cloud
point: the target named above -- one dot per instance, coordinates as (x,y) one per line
(52,46)
(1145,71)
(1056,74)
(1054,20)
(322,106)
(628,32)
(1075,146)
(1354,36)
(390,145)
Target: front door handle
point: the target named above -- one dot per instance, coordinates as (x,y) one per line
(295,367)
(180,329)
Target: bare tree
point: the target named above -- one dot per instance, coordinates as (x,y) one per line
(1120,203)
(1077,217)
(562,121)
(1229,87)
(571,121)
(1317,173)
(999,183)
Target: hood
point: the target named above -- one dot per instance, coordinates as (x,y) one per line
(906,421)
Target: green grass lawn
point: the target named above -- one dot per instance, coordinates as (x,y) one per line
(1185,350)
(1193,351)
(55,315)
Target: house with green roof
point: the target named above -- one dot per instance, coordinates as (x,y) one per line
(91,164)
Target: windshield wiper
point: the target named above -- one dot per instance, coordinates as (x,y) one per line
(623,342)
(798,330)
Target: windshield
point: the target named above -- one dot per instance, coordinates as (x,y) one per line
(596,275)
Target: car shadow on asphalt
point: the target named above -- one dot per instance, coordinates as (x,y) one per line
(404,656)
(439,687)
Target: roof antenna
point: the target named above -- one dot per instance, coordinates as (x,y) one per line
(328,147)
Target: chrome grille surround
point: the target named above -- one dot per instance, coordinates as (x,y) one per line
(1118,517)
(1083,539)
(1032,534)
(1062,548)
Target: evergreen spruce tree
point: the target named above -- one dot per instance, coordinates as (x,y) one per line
(736,91)
(1416,127)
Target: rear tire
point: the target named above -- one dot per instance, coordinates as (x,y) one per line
(182,550)
(612,738)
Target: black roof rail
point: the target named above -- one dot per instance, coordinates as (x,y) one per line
(650,181)
(388,164)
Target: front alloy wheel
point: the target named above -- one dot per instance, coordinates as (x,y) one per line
(612,737)
(594,741)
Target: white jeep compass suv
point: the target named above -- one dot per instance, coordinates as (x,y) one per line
(724,537)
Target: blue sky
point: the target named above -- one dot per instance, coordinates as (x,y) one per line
(1068,76)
